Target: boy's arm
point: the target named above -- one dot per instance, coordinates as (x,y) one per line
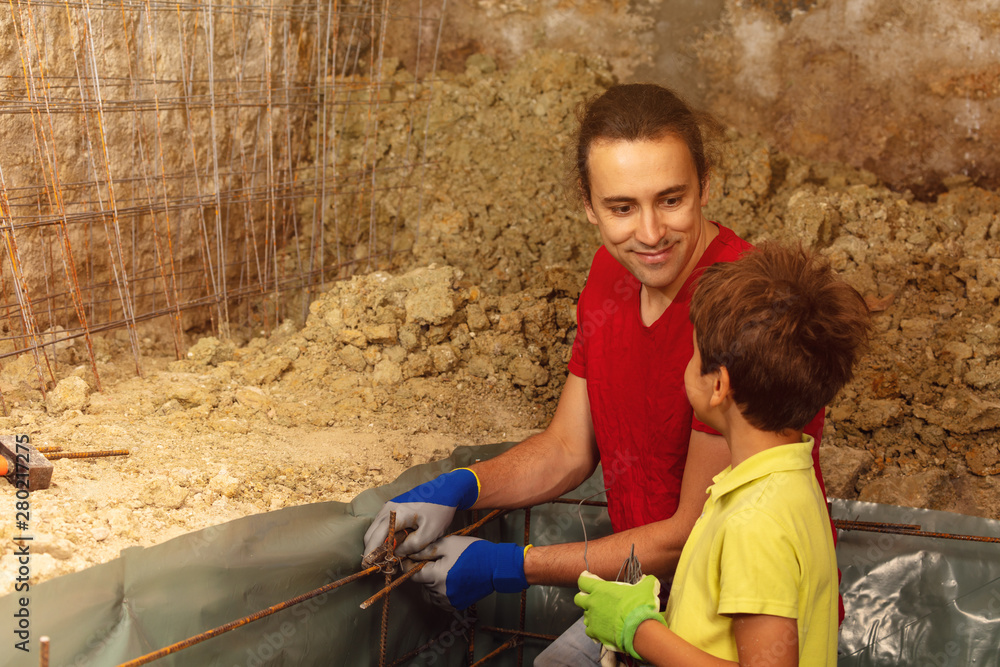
(657,545)
(761,640)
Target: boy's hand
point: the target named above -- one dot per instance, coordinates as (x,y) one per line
(613,610)
(464,569)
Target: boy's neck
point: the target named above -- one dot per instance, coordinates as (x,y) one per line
(745,440)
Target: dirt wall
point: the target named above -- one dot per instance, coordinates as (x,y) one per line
(499,211)
(906,90)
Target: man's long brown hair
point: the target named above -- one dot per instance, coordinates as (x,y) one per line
(644,112)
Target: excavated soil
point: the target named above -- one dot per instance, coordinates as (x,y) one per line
(463,338)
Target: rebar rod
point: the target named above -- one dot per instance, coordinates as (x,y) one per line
(522,633)
(848,524)
(405,658)
(876,528)
(169,286)
(510,643)
(416,568)
(232,625)
(115,252)
(383,641)
(574,501)
(191,641)
(87,455)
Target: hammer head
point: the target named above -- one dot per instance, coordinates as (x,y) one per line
(27,468)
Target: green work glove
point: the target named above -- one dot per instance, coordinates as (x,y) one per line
(613,610)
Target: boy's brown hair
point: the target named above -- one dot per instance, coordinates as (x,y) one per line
(786,328)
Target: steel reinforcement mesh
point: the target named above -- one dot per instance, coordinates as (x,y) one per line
(200,162)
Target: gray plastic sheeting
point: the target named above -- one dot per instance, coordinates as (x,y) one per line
(149,598)
(918,600)
(910,601)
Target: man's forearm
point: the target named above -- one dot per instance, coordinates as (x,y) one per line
(535,471)
(547,464)
(657,546)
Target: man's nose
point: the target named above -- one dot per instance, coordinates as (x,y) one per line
(650,230)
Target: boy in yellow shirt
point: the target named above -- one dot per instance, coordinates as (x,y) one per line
(776,335)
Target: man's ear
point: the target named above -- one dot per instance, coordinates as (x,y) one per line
(705,187)
(721,389)
(587,207)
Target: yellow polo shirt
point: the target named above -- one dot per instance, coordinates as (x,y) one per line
(763,545)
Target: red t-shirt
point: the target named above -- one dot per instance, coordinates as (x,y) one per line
(635,381)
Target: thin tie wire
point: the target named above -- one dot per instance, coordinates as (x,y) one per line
(631,569)
(579,513)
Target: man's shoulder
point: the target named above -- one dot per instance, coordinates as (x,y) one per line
(603,263)
(605,273)
(727,246)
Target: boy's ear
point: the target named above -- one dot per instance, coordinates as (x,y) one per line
(721,388)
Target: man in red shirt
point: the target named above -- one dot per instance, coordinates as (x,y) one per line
(644,178)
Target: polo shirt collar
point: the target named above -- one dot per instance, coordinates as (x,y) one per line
(793,456)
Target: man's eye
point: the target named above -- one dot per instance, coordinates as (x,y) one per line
(621,210)
(671,201)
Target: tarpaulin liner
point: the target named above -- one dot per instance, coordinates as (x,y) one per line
(911,601)
(918,600)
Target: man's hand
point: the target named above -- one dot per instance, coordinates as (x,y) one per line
(465,569)
(428,508)
(613,610)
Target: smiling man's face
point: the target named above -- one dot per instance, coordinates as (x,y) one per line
(646,201)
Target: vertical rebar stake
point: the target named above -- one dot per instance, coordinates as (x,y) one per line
(472,609)
(384,630)
(43,650)
(384,634)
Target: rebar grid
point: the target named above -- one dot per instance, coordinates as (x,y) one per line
(517,635)
(384,594)
(194,160)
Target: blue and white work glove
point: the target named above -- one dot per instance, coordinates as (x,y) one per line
(463,570)
(428,508)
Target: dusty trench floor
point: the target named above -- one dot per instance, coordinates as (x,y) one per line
(189,469)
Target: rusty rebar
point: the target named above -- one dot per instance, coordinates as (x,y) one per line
(87,455)
(510,643)
(43,651)
(416,568)
(392,584)
(383,640)
(232,625)
(522,633)
(574,501)
(916,532)
(847,524)
(447,632)
(390,543)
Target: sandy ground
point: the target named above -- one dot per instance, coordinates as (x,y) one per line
(186,471)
